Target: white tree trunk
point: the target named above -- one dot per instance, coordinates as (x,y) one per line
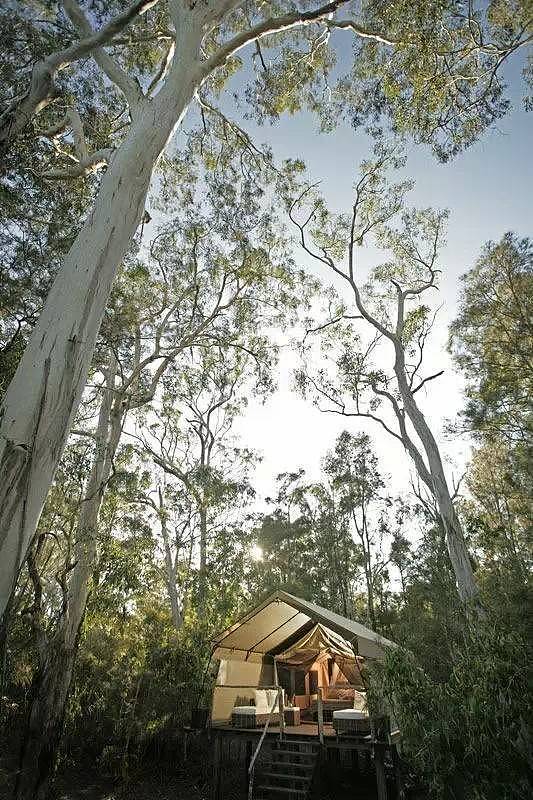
(86,546)
(170,565)
(170,572)
(52,681)
(45,392)
(438,486)
(202,574)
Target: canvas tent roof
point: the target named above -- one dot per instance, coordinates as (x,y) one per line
(282,617)
(319,643)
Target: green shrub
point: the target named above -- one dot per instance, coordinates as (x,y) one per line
(468,736)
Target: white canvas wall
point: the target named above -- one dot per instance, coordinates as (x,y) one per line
(232,680)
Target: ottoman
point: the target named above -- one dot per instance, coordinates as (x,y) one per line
(352,722)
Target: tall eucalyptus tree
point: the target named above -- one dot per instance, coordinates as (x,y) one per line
(376,375)
(205,285)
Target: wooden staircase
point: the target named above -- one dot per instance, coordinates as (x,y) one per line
(290,772)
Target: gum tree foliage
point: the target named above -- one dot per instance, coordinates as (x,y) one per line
(204,473)
(39,218)
(324,539)
(492,341)
(466,733)
(352,468)
(390,307)
(305,544)
(431,68)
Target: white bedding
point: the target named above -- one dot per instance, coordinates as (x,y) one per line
(250,710)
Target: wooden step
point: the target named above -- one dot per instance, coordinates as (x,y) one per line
(298,743)
(297,764)
(293,753)
(282,790)
(285,776)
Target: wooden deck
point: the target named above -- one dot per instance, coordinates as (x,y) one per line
(305,729)
(377,753)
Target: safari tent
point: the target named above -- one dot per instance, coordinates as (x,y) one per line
(290,643)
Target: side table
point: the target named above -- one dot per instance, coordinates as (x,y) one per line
(292,716)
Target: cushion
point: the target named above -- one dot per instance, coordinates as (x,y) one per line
(264,699)
(340,693)
(349,713)
(245,710)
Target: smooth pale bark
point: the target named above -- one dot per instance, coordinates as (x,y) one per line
(170,568)
(45,392)
(202,574)
(170,578)
(362,532)
(438,486)
(433,473)
(52,681)
(369,590)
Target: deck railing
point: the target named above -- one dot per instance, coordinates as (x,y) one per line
(251,769)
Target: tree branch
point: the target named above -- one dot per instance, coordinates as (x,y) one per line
(426,380)
(273,25)
(127,85)
(42,90)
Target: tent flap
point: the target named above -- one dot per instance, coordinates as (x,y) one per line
(319,640)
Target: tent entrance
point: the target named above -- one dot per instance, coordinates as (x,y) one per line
(321,661)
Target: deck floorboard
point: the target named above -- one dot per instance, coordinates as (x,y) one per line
(303,730)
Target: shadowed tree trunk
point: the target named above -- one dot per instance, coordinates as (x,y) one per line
(52,681)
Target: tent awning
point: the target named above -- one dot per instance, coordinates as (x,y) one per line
(265,629)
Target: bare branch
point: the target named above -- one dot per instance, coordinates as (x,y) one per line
(329,323)
(92,163)
(426,380)
(273,25)
(361,31)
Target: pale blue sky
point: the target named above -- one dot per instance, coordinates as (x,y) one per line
(488,192)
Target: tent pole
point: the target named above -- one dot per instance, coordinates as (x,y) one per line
(320,716)
(280,701)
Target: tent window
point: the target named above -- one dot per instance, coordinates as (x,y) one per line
(313,681)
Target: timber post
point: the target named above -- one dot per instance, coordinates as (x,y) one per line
(320,715)
(217,757)
(379,762)
(281,711)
